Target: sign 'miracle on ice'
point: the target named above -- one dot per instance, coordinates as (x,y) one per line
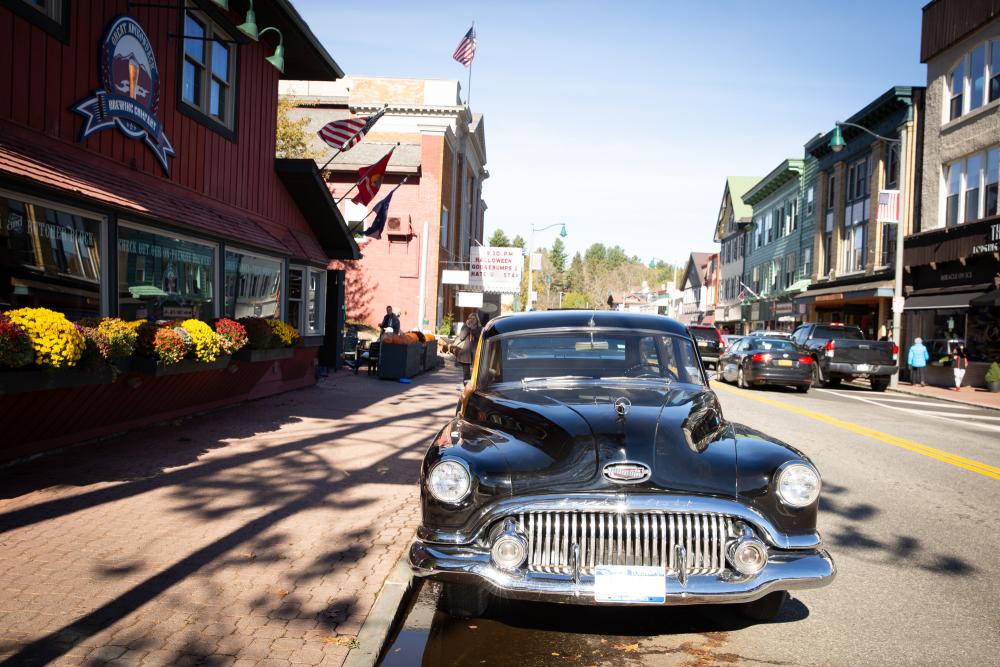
(130,97)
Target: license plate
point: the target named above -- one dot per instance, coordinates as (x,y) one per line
(703,343)
(636,584)
(864,368)
(785,362)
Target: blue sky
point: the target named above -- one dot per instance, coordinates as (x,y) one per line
(622,119)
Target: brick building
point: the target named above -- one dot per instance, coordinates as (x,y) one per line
(435,216)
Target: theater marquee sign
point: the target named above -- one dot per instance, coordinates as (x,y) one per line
(130,95)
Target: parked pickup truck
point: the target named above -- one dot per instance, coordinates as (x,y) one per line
(842,353)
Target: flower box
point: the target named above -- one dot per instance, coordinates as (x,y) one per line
(400,361)
(21,381)
(156,368)
(430,355)
(275,354)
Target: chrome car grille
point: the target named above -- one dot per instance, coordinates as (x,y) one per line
(616,538)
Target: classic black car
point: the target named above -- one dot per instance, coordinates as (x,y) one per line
(754,360)
(589,463)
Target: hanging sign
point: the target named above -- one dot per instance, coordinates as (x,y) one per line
(453,277)
(130,96)
(495,270)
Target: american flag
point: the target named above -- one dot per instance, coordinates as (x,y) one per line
(344,134)
(888,206)
(466,50)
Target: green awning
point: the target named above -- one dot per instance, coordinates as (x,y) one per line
(799,285)
(138,291)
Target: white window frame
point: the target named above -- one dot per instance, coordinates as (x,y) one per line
(990,69)
(983,178)
(106,284)
(159,231)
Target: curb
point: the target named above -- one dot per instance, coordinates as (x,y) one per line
(383,615)
(947,399)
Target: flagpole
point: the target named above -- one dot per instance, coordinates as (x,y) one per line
(468,94)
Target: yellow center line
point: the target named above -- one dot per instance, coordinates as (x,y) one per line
(940,455)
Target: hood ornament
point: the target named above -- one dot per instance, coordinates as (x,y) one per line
(626,472)
(622,406)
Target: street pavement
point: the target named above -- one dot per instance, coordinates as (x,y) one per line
(256,535)
(909,513)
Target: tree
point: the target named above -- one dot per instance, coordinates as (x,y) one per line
(499,240)
(558,255)
(575,300)
(574,277)
(518,242)
(291,140)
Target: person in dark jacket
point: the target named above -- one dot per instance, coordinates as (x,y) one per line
(465,346)
(959,362)
(390,321)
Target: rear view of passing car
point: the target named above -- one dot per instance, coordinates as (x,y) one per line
(709,342)
(590,463)
(756,361)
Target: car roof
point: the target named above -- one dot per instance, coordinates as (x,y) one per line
(580,319)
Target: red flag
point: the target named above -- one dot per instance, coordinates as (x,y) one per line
(370,180)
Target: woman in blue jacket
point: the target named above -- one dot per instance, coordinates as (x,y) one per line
(917,359)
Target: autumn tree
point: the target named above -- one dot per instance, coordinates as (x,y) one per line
(292,141)
(518,242)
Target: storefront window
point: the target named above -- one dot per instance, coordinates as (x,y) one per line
(253,285)
(49,258)
(306,298)
(164,277)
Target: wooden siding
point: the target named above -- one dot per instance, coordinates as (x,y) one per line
(947,21)
(42,78)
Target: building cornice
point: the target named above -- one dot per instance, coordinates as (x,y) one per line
(781,175)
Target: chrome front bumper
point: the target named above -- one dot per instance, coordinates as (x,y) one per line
(787,570)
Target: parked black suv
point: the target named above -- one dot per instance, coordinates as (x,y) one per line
(709,340)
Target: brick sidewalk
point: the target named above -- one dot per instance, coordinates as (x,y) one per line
(257,535)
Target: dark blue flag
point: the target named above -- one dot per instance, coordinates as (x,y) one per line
(381,211)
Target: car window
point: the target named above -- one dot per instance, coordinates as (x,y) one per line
(704,333)
(849,333)
(589,355)
(777,345)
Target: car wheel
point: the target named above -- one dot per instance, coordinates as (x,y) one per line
(818,376)
(766,608)
(464,600)
(741,380)
(880,383)
(802,388)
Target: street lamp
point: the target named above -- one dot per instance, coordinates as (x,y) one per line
(531,247)
(837,144)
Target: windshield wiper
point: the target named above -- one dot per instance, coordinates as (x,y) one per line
(640,378)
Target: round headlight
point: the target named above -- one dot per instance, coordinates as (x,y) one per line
(798,485)
(449,481)
(509,551)
(748,556)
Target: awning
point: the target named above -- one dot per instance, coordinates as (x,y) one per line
(303,181)
(930,301)
(990,298)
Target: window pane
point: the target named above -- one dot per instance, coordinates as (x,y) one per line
(176,281)
(972,188)
(995,74)
(220,61)
(957,84)
(977,65)
(954,178)
(216,99)
(312,303)
(192,83)
(951,210)
(194,47)
(992,167)
(253,286)
(50,259)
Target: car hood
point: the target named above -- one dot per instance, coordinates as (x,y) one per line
(559,438)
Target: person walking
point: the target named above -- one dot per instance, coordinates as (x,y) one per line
(465,346)
(390,321)
(917,359)
(959,362)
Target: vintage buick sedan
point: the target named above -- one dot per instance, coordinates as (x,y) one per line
(590,463)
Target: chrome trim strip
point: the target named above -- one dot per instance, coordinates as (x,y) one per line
(462,564)
(618,503)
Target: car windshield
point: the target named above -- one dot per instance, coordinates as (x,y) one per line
(573,356)
(704,333)
(774,344)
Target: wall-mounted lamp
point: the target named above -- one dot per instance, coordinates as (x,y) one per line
(278,59)
(249,27)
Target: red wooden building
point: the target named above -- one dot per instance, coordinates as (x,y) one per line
(138,178)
